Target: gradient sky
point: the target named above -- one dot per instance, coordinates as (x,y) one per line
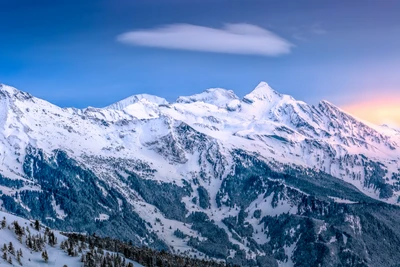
(95,52)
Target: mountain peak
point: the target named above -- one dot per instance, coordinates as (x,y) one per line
(215,96)
(9,89)
(262,92)
(136,98)
(326,105)
(12,92)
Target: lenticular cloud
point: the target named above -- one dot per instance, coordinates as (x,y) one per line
(240,38)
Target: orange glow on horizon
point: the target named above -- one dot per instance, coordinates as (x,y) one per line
(381,111)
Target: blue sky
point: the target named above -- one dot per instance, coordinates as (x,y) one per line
(71,54)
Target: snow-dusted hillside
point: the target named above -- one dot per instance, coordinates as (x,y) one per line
(20,251)
(57,257)
(151,165)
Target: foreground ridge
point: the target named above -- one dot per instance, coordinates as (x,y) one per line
(29,243)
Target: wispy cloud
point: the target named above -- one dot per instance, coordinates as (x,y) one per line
(307,32)
(317,29)
(242,38)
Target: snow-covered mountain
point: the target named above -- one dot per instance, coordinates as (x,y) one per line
(143,168)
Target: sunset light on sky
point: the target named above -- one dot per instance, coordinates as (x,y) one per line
(379,111)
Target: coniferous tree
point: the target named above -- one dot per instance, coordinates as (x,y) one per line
(3,223)
(83,258)
(28,241)
(37,225)
(11,248)
(51,238)
(19,231)
(19,258)
(62,245)
(45,256)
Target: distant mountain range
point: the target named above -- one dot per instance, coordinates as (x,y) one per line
(263,180)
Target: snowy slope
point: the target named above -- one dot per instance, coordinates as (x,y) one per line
(31,258)
(57,257)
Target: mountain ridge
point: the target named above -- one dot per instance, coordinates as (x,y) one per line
(305,121)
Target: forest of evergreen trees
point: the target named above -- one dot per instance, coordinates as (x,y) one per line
(145,256)
(90,250)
